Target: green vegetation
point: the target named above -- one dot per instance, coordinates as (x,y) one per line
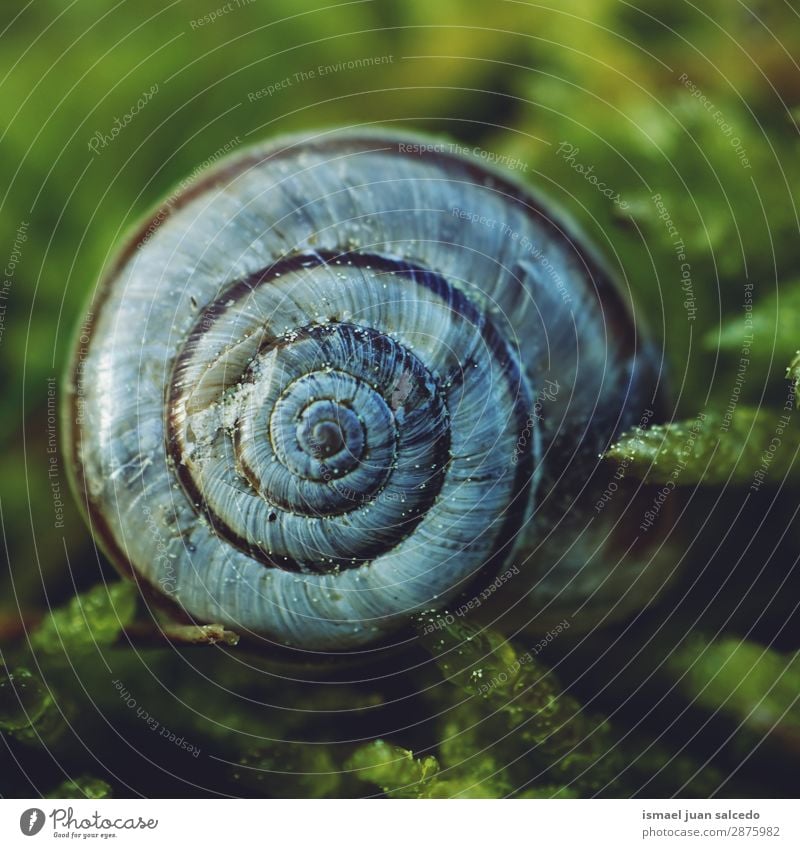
(670,133)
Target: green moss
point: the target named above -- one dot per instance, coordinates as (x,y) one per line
(90,620)
(747,681)
(468,657)
(472,767)
(288,770)
(499,722)
(516,704)
(395,770)
(768,333)
(82,787)
(793,374)
(29,712)
(23,699)
(746,447)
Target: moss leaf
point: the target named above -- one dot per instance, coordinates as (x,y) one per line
(745,680)
(91,619)
(749,446)
(772,325)
(793,374)
(395,770)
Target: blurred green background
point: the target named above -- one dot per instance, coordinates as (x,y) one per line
(695,103)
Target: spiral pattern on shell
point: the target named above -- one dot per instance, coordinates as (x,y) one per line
(301,412)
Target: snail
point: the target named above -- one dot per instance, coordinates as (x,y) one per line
(343,379)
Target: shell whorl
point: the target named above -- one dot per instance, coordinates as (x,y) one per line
(301,407)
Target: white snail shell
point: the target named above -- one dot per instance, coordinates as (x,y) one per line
(300,409)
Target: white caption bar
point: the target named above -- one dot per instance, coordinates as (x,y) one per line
(239,823)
